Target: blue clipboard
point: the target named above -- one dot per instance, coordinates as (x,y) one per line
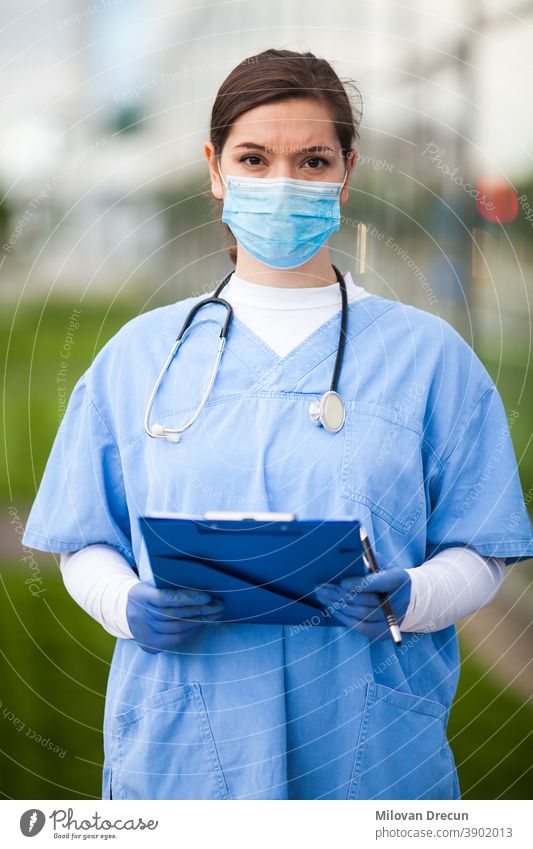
(264,566)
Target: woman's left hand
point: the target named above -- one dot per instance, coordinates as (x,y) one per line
(355,601)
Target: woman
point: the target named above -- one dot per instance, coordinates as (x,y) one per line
(200,709)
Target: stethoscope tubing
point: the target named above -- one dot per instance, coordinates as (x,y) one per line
(173,434)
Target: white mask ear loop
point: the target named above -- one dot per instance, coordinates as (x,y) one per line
(343,179)
(221,177)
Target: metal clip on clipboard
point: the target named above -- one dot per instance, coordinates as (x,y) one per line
(223,515)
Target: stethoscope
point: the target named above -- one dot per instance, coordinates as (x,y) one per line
(328,411)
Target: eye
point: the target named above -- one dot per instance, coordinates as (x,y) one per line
(252,156)
(316,159)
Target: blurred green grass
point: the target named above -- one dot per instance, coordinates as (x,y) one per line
(54,664)
(32,340)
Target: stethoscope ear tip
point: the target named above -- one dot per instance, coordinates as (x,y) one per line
(159,431)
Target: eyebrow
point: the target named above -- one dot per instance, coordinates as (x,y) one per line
(314,149)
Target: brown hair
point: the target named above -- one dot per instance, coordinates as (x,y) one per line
(279,75)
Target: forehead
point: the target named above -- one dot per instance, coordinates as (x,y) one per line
(300,121)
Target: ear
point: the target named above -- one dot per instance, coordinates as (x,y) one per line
(351,160)
(217,186)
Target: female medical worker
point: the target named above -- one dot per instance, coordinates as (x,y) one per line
(202,709)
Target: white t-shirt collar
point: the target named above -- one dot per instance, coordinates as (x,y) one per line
(291,297)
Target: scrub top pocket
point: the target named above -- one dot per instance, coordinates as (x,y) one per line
(164,749)
(403,752)
(382,464)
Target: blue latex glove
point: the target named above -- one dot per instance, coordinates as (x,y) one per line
(161,619)
(355,601)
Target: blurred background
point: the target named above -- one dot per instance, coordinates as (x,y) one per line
(105,212)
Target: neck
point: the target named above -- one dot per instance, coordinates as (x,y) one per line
(317,271)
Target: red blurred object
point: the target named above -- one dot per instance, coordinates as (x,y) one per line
(496,200)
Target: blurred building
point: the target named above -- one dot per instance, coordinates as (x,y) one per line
(105,108)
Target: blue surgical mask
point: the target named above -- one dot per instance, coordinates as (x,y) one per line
(281,221)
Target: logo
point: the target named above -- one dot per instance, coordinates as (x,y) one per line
(32,822)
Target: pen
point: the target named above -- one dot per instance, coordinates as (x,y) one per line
(370,560)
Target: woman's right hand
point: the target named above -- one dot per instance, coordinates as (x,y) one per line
(161,619)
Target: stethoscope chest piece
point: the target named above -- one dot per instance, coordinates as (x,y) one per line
(328,411)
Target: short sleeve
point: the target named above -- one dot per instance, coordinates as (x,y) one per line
(475,494)
(81,499)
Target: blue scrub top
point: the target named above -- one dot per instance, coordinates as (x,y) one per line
(424,461)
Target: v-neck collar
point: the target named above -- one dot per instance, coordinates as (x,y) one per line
(283,372)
